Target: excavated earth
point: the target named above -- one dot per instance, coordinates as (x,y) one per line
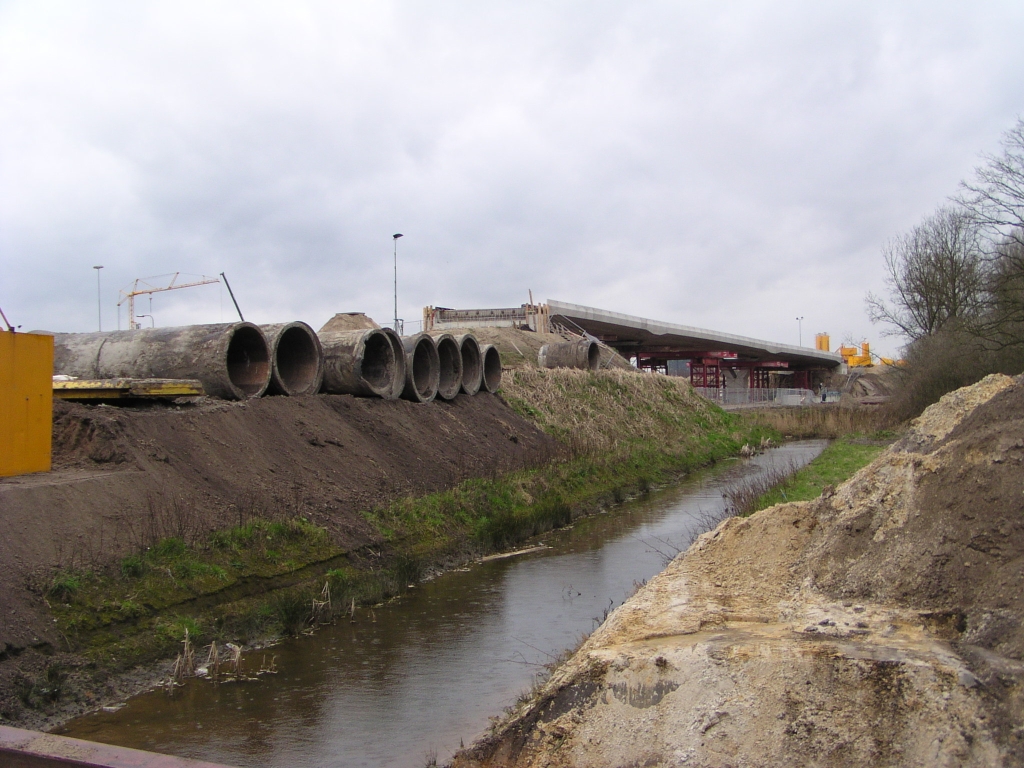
(880,625)
(126,476)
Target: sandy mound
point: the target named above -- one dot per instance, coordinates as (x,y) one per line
(879,625)
(348,321)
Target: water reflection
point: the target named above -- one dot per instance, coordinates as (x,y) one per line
(422,674)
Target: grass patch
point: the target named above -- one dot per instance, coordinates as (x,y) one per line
(131,611)
(835,464)
(493,514)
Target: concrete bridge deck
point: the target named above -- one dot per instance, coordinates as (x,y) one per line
(667,341)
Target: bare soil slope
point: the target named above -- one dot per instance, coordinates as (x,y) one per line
(126,475)
(877,626)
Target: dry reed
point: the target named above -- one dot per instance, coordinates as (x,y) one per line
(213,661)
(234,661)
(321,605)
(827,421)
(185,664)
(587,411)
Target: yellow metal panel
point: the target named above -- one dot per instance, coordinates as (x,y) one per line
(26,402)
(166,388)
(114,389)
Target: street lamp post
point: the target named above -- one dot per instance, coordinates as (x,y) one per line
(800,329)
(99,303)
(395,239)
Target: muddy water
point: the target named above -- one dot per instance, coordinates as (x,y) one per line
(411,680)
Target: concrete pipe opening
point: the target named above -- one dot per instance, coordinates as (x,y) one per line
(358,363)
(298,367)
(593,356)
(472,365)
(378,366)
(450,359)
(398,380)
(492,367)
(422,368)
(232,360)
(249,361)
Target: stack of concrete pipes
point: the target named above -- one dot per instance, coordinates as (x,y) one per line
(235,361)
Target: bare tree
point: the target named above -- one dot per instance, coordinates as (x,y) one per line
(936,276)
(1002,323)
(995,199)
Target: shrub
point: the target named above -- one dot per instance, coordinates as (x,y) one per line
(292,610)
(133,567)
(64,585)
(936,365)
(408,570)
(170,547)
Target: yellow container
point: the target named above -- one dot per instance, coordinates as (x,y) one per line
(26,402)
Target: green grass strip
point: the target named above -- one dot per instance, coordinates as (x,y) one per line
(837,463)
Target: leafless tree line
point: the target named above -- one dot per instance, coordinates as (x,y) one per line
(961,270)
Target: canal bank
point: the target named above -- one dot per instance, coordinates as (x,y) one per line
(224,519)
(879,625)
(441,659)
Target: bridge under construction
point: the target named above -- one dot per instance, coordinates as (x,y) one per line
(711,359)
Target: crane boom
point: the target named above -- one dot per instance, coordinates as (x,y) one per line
(147,287)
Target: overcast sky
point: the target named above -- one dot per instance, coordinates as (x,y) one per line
(726,165)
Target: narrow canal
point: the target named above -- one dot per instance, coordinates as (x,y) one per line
(412,680)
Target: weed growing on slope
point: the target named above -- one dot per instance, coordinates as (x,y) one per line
(613,412)
(143,588)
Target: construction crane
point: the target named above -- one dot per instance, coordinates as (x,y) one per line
(142,286)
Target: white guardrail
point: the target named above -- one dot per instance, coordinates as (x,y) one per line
(776,396)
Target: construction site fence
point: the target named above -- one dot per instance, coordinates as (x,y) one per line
(766,396)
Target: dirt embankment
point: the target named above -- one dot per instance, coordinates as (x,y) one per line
(124,477)
(879,625)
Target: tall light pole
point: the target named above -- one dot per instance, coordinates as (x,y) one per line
(800,329)
(395,239)
(99,303)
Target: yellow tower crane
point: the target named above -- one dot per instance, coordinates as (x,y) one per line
(142,286)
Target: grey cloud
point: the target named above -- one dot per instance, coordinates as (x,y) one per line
(725,167)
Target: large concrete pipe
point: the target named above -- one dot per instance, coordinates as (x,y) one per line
(492,367)
(450,359)
(358,363)
(585,354)
(472,363)
(297,359)
(398,383)
(232,360)
(422,368)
